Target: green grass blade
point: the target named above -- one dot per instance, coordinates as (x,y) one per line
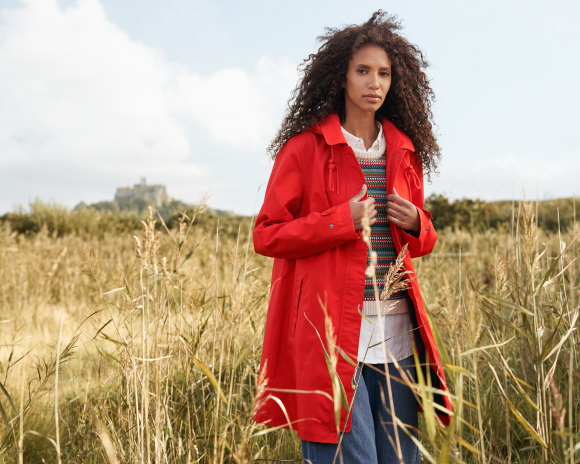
(480,348)
(521,419)
(4,418)
(365,318)
(334,379)
(207,372)
(548,344)
(504,322)
(553,266)
(438,340)
(8,397)
(346,357)
(508,304)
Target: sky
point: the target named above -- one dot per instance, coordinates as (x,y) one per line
(95,94)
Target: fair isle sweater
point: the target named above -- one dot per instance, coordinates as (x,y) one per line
(375,172)
(396,322)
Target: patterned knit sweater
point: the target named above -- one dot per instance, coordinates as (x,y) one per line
(397,322)
(374,170)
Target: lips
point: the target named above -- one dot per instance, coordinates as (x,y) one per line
(372,98)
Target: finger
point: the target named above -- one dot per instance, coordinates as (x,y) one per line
(394,212)
(360,194)
(395,209)
(395,204)
(372,221)
(399,197)
(395,220)
(373,214)
(395,197)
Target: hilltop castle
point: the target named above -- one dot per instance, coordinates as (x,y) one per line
(142,191)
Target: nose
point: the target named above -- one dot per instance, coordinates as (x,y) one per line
(374,82)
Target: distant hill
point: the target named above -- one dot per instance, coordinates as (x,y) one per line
(110,218)
(138,198)
(167,209)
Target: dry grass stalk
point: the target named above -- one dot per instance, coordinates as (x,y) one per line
(56,423)
(216,301)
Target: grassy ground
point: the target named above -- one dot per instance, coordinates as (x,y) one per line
(157,342)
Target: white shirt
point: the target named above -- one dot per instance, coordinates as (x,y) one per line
(395,326)
(358,146)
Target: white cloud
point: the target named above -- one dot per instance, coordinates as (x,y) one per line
(85,108)
(237,109)
(498,176)
(568,27)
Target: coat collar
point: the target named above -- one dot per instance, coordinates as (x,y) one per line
(329,127)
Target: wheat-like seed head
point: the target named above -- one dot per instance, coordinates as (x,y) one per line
(366,227)
(394,278)
(330,336)
(164,268)
(529,232)
(138,247)
(370,270)
(500,275)
(182,230)
(56,262)
(260,397)
(333,360)
(558,410)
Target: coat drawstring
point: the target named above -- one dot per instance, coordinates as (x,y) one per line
(410,172)
(332,168)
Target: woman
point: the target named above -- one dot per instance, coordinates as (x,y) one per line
(358,135)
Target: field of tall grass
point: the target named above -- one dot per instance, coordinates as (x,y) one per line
(127,345)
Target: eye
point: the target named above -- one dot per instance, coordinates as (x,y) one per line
(385,74)
(361,71)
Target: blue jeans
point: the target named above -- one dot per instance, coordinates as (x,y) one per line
(368,441)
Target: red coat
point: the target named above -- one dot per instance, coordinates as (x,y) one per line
(305,224)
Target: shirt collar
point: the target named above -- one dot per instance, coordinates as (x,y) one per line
(358,143)
(329,127)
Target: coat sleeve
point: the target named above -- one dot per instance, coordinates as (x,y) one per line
(279,232)
(420,243)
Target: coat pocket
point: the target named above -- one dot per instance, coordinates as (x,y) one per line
(328,211)
(296,302)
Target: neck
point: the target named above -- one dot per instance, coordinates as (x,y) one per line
(361,124)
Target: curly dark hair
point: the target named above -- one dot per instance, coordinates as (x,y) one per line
(320,92)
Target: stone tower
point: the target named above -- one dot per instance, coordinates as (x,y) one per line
(154,193)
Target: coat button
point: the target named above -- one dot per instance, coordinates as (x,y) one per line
(427,228)
(331,226)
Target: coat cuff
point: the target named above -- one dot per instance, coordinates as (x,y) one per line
(414,238)
(346,219)
(340,219)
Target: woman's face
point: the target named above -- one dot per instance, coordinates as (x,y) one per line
(368,79)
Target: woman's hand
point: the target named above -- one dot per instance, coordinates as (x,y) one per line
(357,208)
(403,213)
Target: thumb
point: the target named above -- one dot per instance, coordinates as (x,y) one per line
(397,195)
(360,194)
